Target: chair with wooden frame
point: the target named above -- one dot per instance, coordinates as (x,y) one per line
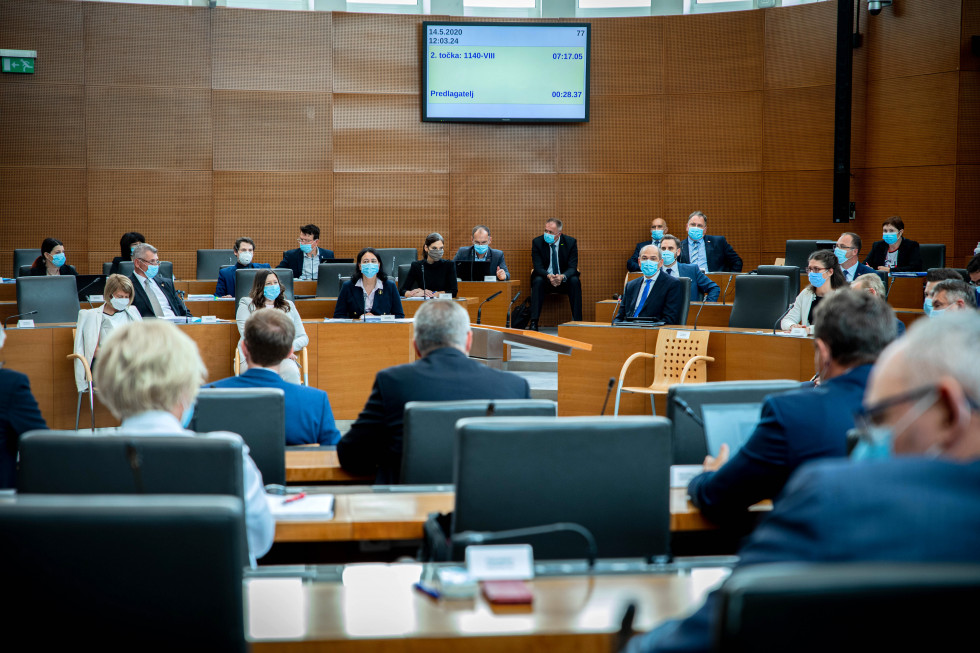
(680,358)
(91,387)
(304,363)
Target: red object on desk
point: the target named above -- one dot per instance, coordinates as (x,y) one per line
(507,591)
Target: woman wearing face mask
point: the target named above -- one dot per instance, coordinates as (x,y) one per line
(95,325)
(894,252)
(825,276)
(267,293)
(369,291)
(52,261)
(432,275)
(127,244)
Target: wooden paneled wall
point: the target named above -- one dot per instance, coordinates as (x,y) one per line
(195,126)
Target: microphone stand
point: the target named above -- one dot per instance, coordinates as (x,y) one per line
(612,382)
(724,295)
(479,537)
(509,306)
(479,311)
(86,287)
(19,315)
(779,321)
(422,267)
(686,407)
(698,316)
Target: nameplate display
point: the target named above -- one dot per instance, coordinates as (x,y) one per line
(683,335)
(387,318)
(500,562)
(490,277)
(445,295)
(209,319)
(96,298)
(25,324)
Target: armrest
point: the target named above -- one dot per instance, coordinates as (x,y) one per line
(88,369)
(688,364)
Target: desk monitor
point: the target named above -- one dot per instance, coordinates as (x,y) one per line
(473,270)
(730,424)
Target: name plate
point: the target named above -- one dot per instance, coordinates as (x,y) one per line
(25,324)
(490,277)
(500,562)
(209,319)
(445,295)
(683,335)
(387,318)
(96,298)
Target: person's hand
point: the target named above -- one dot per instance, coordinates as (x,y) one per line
(712,464)
(414,293)
(884,268)
(501,274)
(227,296)
(429,293)
(293,357)
(555,279)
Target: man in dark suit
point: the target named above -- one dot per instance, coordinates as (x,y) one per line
(305,260)
(481,251)
(443,373)
(847,249)
(267,342)
(920,506)
(709,253)
(702,288)
(850,331)
(244,252)
(658,229)
(657,296)
(554,257)
(19,413)
(153,296)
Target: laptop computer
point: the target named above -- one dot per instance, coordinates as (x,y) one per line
(730,424)
(472,270)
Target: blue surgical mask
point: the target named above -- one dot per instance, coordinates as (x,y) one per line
(877,445)
(58,259)
(936,312)
(271,291)
(132,249)
(816,279)
(306,248)
(668,257)
(151,271)
(695,233)
(481,249)
(188,415)
(927,305)
(841,255)
(649,268)
(657,234)
(548,238)
(890,237)
(370,270)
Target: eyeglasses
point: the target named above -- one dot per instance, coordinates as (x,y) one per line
(816,270)
(305,241)
(873,415)
(846,246)
(155,261)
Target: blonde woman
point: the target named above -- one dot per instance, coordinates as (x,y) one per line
(267,293)
(96,324)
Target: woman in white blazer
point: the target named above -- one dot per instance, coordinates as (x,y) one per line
(825,276)
(267,293)
(96,324)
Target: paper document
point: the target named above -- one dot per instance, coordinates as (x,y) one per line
(312,506)
(681,475)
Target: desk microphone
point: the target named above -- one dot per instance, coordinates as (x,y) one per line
(19,315)
(491,409)
(686,407)
(86,287)
(135,465)
(479,537)
(422,267)
(724,295)
(625,628)
(781,319)
(616,311)
(696,317)
(612,382)
(509,306)
(479,310)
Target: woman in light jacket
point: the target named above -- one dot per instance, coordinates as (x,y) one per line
(825,276)
(267,293)
(96,324)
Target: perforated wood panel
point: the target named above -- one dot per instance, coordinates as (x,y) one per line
(713,132)
(798,131)
(969,25)
(967,223)
(797,49)
(504,148)
(968,128)
(43,125)
(374,53)
(627,57)
(385,132)
(624,134)
(50,27)
(713,52)
(914,38)
(798,205)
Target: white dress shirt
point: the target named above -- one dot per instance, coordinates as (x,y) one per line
(311,265)
(149,286)
(639,295)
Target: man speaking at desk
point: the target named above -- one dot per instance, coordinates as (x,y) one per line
(443,373)
(656,296)
(480,250)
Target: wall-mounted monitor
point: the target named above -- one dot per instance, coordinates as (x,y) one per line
(505,72)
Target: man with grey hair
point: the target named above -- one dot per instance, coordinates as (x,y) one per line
(872,284)
(443,373)
(480,250)
(918,504)
(952,295)
(153,296)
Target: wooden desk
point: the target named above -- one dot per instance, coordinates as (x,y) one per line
(309,309)
(8,292)
(494,311)
(317,465)
(373,607)
(207,287)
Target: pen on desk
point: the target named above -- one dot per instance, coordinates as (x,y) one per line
(428,591)
(294,498)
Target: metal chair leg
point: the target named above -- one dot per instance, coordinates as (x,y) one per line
(78,409)
(91,407)
(653,404)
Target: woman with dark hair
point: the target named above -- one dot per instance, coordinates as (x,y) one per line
(369,292)
(127,244)
(894,252)
(267,293)
(825,275)
(52,260)
(432,275)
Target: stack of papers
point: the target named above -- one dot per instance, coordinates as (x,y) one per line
(200,298)
(312,506)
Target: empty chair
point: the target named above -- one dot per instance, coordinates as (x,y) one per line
(331,276)
(798,252)
(393,257)
(256,414)
(24,257)
(791,272)
(686,303)
(609,475)
(210,261)
(759,301)
(126,269)
(687,435)
(54,298)
(244,279)
(428,443)
(124,573)
(933,255)
(403,273)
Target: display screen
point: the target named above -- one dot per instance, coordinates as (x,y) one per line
(505,72)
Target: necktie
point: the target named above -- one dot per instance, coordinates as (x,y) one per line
(698,257)
(669,272)
(643,298)
(554,258)
(154,302)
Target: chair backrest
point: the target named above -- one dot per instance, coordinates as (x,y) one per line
(128,572)
(54,298)
(791,272)
(933,255)
(245,277)
(403,274)
(610,475)
(798,252)
(256,414)
(398,255)
(870,606)
(674,349)
(210,262)
(687,436)
(331,276)
(759,301)
(429,438)
(686,304)
(24,257)
(126,269)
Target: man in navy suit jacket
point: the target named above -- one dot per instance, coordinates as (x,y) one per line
(656,296)
(922,506)
(146,261)
(305,260)
(244,251)
(268,340)
(18,414)
(719,255)
(443,373)
(658,230)
(551,274)
(702,288)
(847,249)
(481,241)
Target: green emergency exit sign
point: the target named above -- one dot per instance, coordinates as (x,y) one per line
(17,61)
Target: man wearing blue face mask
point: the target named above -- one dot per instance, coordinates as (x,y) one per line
(657,296)
(933,277)
(702,288)
(658,229)
(709,253)
(554,257)
(952,295)
(846,250)
(305,260)
(481,251)
(153,295)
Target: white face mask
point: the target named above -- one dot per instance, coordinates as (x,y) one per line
(244,257)
(119,303)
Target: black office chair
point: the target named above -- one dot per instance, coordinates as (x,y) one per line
(759,301)
(256,414)
(687,435)
(686,305)
(123,573)
(126,269)
(24,257)
(798,252)
(429,438)
(54,298)
(857,606)
(331,276)
(393,257)
(244,279)
(933,255)
(610,475)
(210,262)
(791,272)
(402,276)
